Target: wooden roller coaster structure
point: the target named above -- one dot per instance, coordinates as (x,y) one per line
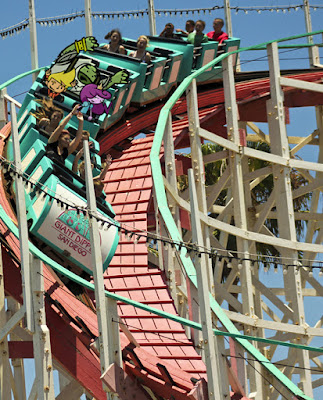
(166,325)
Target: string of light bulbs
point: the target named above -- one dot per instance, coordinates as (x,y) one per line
(153,240)
(67,18)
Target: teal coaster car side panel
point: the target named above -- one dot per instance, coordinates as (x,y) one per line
(180,46)
(67,231)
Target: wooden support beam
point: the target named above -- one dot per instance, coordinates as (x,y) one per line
(12,323)
(71,391)
(41,339)
(17,363)
(216,388)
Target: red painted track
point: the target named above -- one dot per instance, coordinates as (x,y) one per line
(129,190)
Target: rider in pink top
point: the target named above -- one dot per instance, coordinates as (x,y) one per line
(218,34)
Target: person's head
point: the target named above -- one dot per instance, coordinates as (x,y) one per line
(114,36)
(190,26)
(169,29)
(142,42)
(60,81)
(199,26)
(50,111)
(81,168)
(94,94)
(64,139)
(218,25)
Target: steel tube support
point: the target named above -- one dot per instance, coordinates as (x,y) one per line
(22,222)
(109,346)
(211,357)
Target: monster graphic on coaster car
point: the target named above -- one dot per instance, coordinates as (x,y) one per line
(94,98)
(72,71)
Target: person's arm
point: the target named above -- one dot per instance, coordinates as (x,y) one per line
(76,141)
(148,57)
(102,174)
(76,161)
(162,33)
(57,132)
(182,32)
(122,50)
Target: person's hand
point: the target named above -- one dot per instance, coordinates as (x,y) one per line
(79,116)
(108,159)
(75,109)
(178,30)
(43,122)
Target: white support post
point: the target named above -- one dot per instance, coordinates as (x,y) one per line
(227,14)
(41,337)
(5,389)
(33,37)
(198,168)
(88,18)
(22,221)
(17,363)
(3,108)
(311,225)
(152,18)
(285,211)
(109,346)
(170,169)
(228,27)
(239,207)
(313,52)
(211,356)
(159,230)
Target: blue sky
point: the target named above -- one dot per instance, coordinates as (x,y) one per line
(252,28)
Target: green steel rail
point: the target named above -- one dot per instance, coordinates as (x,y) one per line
(18,77)
(191,324)
(172,228)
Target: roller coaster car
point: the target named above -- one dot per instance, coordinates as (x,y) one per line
(65,230)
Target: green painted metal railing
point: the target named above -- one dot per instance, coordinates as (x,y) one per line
(18,77)
(162,203)
(191,324)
